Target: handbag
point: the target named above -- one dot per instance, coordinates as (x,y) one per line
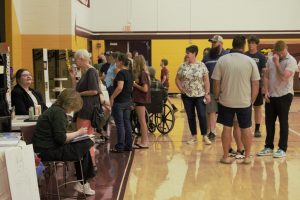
(98,119)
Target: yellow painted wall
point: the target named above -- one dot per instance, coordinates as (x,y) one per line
(13,35)
(30,42)
(174,51)
(97,51)
(79,42)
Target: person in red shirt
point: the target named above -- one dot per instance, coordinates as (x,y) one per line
(164,78)
(141,97)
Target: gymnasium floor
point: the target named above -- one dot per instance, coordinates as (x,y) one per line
(172,169)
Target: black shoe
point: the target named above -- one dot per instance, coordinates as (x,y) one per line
(211,136)
(257,133)
(114,150)
(127,149)
(232,153)
(174,108)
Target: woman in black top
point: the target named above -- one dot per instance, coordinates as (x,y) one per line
(121,105)
(22,96)
(88,88)
(53,143)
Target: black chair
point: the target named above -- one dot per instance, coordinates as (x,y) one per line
(51,166)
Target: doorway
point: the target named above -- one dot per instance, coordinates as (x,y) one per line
(143,47)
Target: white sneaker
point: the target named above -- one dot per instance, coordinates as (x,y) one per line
(192,140)
(87,188)
(206,140)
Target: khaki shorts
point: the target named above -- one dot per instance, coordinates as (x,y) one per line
(213,105)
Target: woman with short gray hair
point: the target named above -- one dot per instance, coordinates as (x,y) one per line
(88,88)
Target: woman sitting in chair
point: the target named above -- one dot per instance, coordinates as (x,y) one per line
(53,143)
(23,96)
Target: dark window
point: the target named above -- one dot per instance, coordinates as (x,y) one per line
(2,20)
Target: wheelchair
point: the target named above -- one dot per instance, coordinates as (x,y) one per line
(159,115)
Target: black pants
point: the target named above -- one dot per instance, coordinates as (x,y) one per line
(73,152)
(190,103)
(278,106)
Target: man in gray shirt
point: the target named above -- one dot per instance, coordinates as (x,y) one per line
(278,83)
(236,83)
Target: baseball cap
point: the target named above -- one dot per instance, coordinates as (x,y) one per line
(216,38)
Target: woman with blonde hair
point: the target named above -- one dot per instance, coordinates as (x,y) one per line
(88,88)
(141,97)
(52,141)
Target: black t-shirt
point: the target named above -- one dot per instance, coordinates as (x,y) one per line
(88,81)
(125,94)
(104,68)
(260,60)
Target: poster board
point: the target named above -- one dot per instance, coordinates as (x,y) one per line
(21,173)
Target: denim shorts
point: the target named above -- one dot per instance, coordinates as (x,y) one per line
(226,116)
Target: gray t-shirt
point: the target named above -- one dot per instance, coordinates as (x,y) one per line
(88,81)
(235,71)
(276,86)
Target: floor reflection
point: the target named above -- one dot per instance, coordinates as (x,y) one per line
(171,169)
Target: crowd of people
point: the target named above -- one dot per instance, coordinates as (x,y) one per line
(223,88)
(230,83)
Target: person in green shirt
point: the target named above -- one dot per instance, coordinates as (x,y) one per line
(53,143)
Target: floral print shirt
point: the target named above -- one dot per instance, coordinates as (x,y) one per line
(191,77)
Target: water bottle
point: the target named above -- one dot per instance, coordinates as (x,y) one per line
(31,113)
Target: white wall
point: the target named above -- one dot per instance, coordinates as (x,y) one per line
(81,15)
(189,15)
(59,16)
(44,16)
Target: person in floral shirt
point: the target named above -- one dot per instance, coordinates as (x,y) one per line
(193,82)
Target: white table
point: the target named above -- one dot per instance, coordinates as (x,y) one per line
(18,122)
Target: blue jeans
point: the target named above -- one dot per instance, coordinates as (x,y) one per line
(121,114)
(190,103)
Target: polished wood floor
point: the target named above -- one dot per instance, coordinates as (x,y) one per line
(172,169)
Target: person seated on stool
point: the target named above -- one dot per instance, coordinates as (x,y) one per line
(22,96)
(53,143)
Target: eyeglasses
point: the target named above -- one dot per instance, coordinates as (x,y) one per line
(26,75)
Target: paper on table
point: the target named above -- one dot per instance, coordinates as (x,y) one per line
(9,139)
(82,137)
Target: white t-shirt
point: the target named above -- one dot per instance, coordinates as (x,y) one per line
(276,86)
(235,71)
(35,102)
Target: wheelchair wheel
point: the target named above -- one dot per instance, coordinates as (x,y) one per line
(135,125)
(165,121)
(151,124)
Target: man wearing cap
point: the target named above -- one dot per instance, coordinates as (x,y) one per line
(210,60)
(236,83)
(105,66)
(260,60)
(278,83)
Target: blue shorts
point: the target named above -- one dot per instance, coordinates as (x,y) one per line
(226,115)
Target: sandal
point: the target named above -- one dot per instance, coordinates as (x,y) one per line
(138,146)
